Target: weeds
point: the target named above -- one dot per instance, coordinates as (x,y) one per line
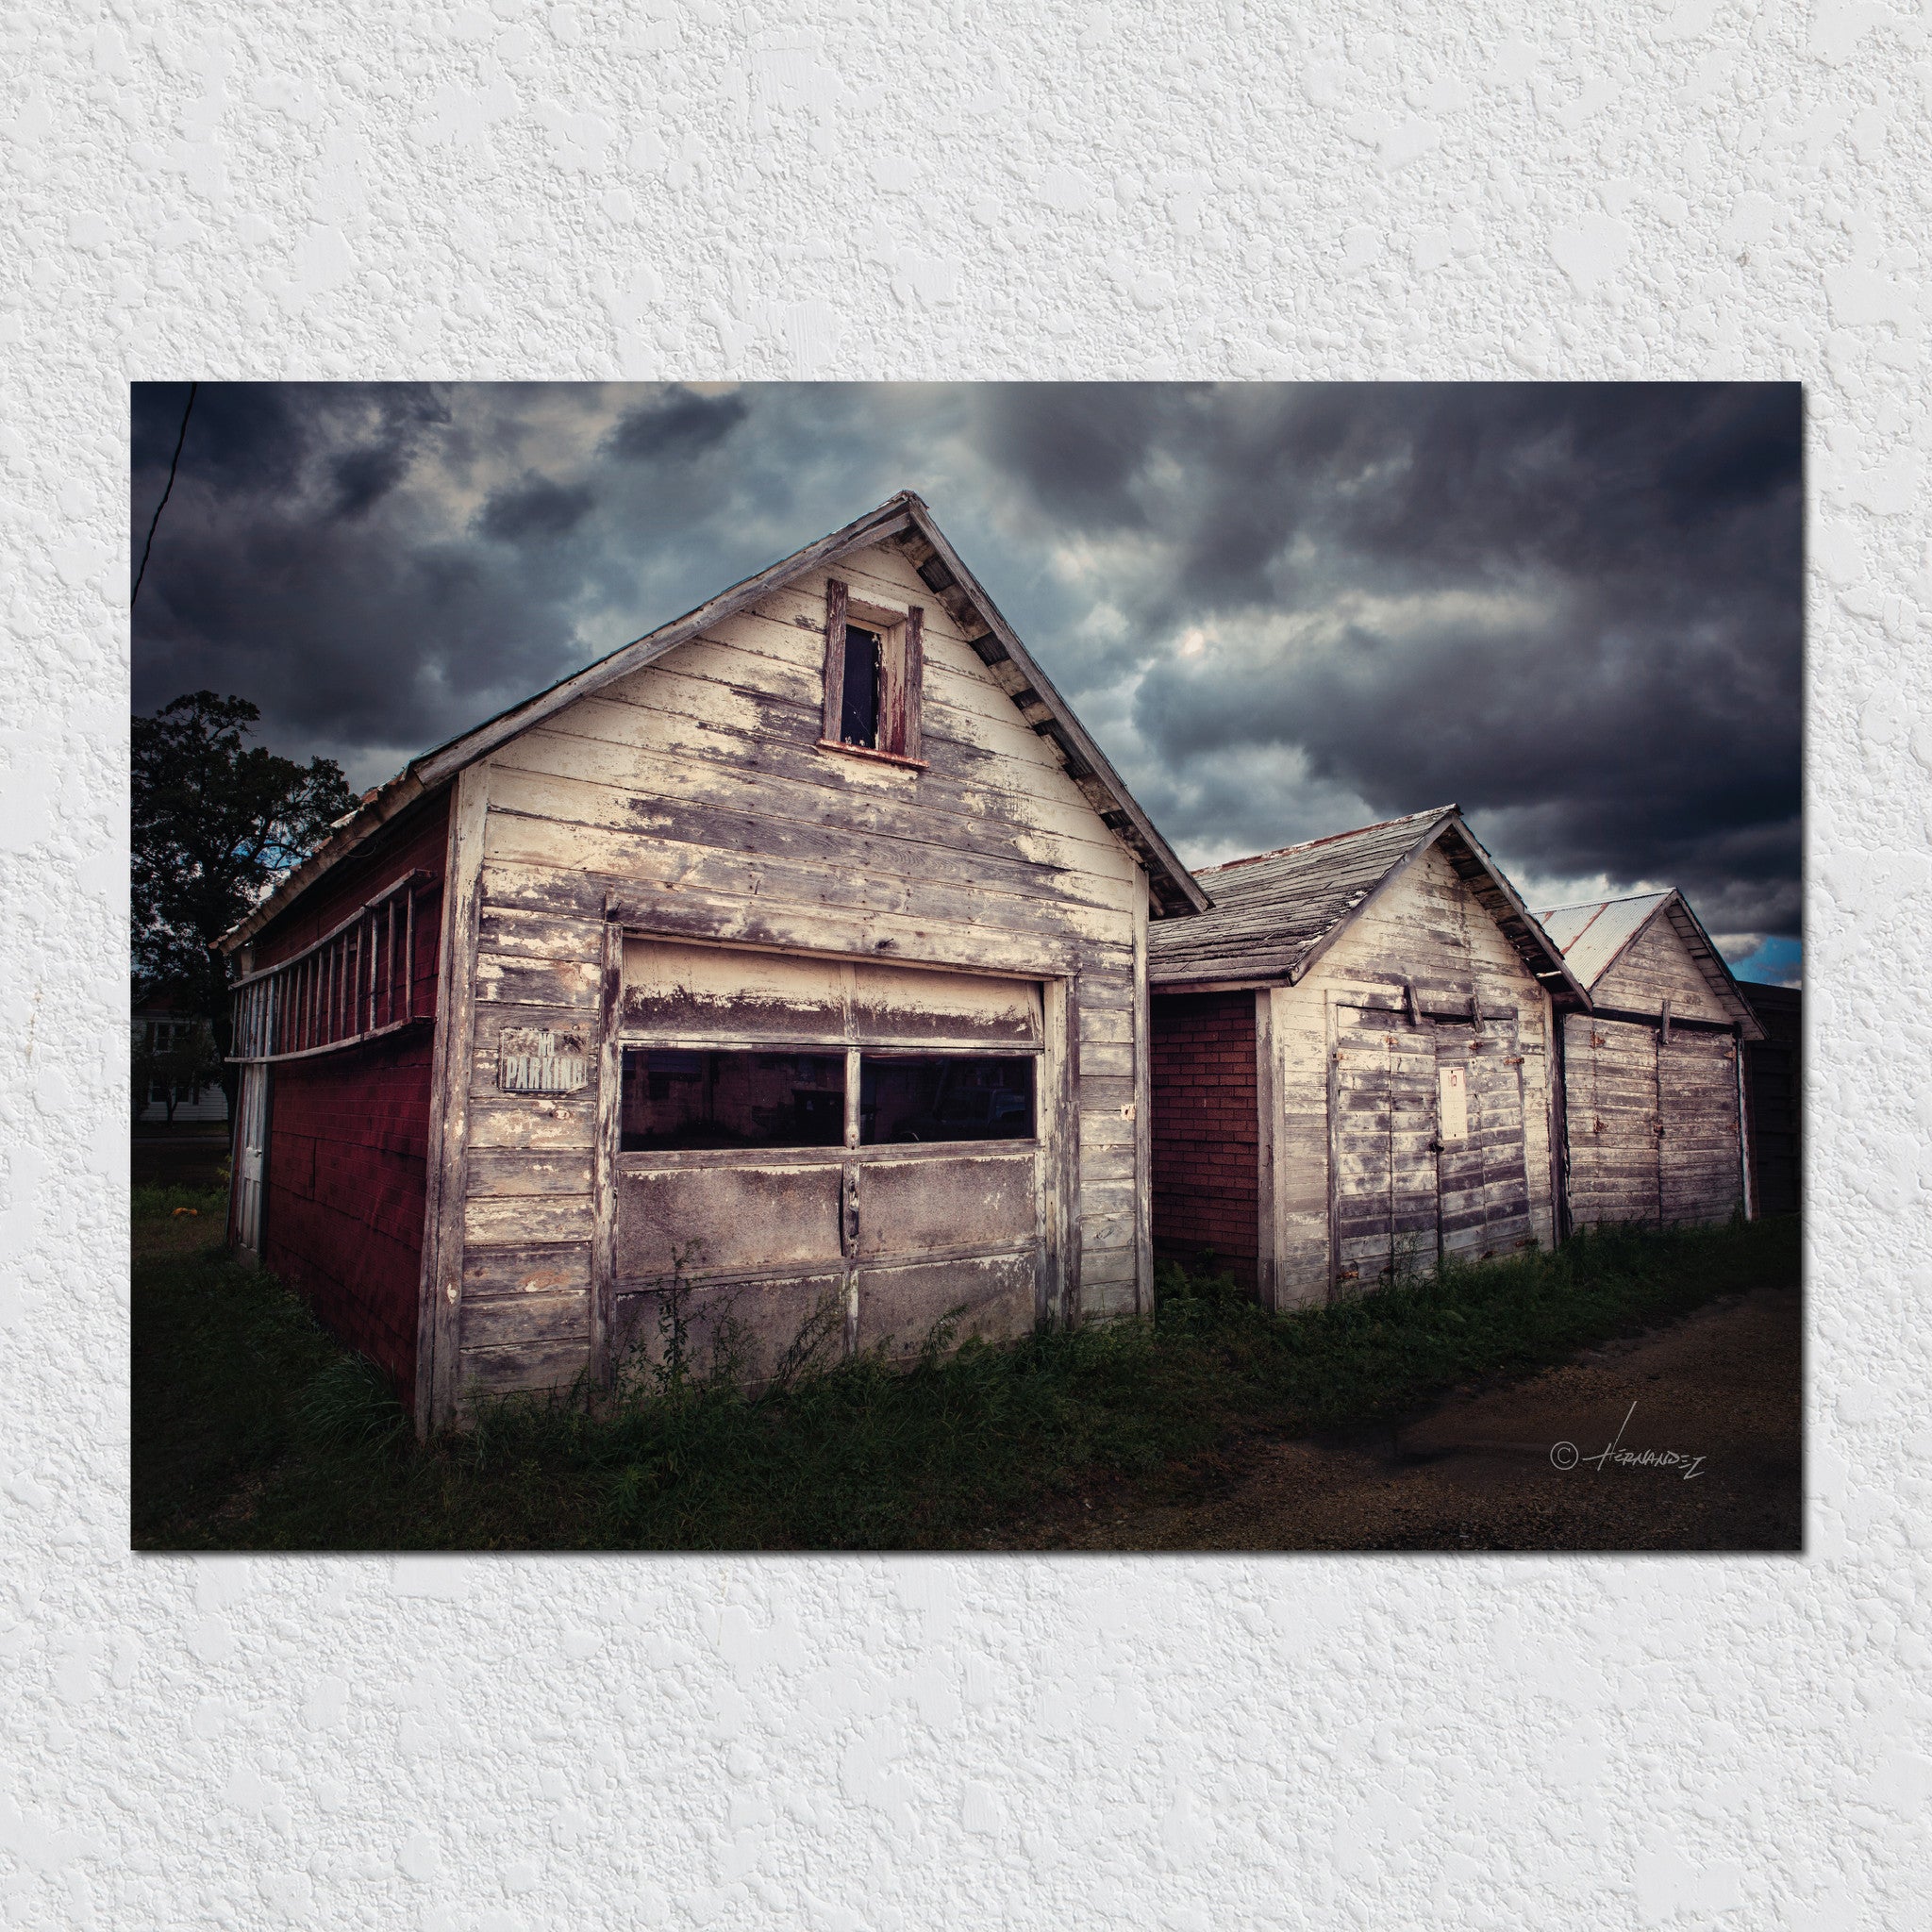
(351,1404)
(253,1430)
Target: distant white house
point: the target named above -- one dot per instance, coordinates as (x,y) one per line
(159,1028)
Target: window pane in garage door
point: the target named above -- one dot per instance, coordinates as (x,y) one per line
(908,1097)
(676,1097)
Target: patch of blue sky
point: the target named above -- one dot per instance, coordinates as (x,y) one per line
(1777,962)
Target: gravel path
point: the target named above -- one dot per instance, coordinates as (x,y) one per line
(1477,1471)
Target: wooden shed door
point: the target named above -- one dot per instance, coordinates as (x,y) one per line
(1484,1187)
(1700,1170)
(1610,1106)
(1381,1147)
(1653,1128)
(1427,1152)
(923,1193)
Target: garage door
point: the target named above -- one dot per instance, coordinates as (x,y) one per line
(821,1156)
(1426,1152)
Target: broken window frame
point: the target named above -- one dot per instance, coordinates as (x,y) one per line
(898,730)
(865,662)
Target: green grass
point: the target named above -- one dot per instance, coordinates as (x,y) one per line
(154,1202)
(253,1430)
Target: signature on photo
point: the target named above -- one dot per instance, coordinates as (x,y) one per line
(1567,1456)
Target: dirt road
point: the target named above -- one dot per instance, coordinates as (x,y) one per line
(1720,1391)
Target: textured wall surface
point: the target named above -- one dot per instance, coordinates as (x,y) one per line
(855,190)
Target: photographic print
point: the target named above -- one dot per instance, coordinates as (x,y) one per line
(988,966)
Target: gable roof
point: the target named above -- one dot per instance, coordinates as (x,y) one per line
(1595,935)
(1276,913)
(904,518)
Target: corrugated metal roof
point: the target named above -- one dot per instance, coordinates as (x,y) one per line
(1595,937)
(1592,937)
(1271,911)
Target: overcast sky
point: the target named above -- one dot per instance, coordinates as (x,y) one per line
(1282,611)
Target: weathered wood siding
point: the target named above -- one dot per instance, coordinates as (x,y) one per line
(1609,1072)
(692,798)
(1654,1127)
(1658,967)
(345,1169)
(1700,1155)
(1338,1223)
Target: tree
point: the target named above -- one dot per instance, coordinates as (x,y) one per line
(182,1063)
(217,824)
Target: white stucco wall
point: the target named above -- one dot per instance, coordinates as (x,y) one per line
(1118,191)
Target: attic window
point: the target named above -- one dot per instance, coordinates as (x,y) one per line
(874,666)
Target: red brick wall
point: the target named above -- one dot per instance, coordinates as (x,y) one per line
(1207,1190)
(346,1175)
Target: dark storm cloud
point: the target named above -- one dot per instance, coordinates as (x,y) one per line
(534,508)
(1283,610)
(678,423)
(304,563)
(1575,610)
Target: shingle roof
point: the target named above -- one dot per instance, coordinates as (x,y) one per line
(1270,910)
(1273,914)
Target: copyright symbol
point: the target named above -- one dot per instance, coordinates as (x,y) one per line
(1564,1455)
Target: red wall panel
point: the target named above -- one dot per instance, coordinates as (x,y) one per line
(347,1170)
(1207,1135)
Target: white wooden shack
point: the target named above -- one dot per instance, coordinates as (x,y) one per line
(1653,1082)
(796,951)
(1353,1067)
